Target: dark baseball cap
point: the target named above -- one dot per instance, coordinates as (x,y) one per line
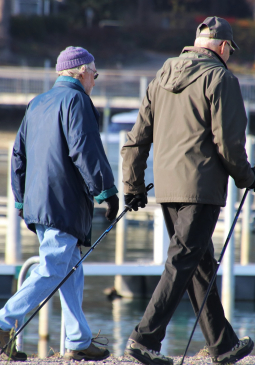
(219,28)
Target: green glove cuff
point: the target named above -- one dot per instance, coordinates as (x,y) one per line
(18,205)
(106,194)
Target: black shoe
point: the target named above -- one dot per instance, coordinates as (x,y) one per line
(92,353)
(145,355)
(11,350)
(242,348)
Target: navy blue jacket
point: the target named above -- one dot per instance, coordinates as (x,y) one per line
(58,162)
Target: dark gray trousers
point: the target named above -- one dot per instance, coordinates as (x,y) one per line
(190,266)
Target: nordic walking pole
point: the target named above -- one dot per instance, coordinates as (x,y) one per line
(218,265)
(127,208)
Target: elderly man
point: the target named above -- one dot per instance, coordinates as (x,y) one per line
(193,113)
(58,166)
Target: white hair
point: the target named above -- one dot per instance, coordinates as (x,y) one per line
(76,71)
(206,42)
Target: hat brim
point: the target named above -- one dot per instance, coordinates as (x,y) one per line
(234,44)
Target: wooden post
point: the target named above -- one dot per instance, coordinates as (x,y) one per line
(121,226)
(13,241)
(143,87)
(161,238)
(62,335)
(44,321)
(246,216)
(228,279)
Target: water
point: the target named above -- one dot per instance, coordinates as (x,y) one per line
(117,318)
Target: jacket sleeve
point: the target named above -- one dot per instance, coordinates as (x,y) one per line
(136,150)
(85,147)
(228,128)
(18,166)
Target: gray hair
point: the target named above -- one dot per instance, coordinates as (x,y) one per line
(207,42)
(76,71)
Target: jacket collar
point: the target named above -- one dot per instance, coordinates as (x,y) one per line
(205,51)
(78,83)
(69,79)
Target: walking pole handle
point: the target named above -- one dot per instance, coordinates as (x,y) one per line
(129,206)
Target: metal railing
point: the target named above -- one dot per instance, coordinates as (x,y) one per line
(111,83)
(44,316)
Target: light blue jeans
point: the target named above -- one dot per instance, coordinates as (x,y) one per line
(58,255)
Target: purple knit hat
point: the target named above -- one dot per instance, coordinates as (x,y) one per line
(73,57)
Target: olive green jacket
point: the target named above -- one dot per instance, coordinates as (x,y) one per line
(194,115)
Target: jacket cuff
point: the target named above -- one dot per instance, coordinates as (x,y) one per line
(106,194)
(128,189)
(18,205)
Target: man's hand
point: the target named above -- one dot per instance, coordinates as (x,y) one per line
(140,200)
(113,207)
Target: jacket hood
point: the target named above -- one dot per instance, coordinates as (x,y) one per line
(179,72)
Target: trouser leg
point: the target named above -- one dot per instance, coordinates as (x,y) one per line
(43,278)
(78,334)
(219,334)
(190,227)
(56,251)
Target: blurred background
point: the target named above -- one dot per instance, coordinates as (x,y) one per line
(117,33)
(122,35)
(130,40)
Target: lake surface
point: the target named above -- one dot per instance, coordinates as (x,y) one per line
(116,319)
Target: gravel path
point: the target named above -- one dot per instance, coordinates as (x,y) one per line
(249,360)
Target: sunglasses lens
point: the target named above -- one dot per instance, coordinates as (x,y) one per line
(96,76)
(231,50)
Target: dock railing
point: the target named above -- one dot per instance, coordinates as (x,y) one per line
(121,88)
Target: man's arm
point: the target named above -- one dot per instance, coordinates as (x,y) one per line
(136,150)
(228,128)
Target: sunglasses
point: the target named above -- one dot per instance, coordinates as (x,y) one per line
(232,49)
(96,74)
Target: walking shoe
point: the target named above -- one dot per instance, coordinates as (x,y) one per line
(145,355)
(240,350)
(91,353)
(11,350)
